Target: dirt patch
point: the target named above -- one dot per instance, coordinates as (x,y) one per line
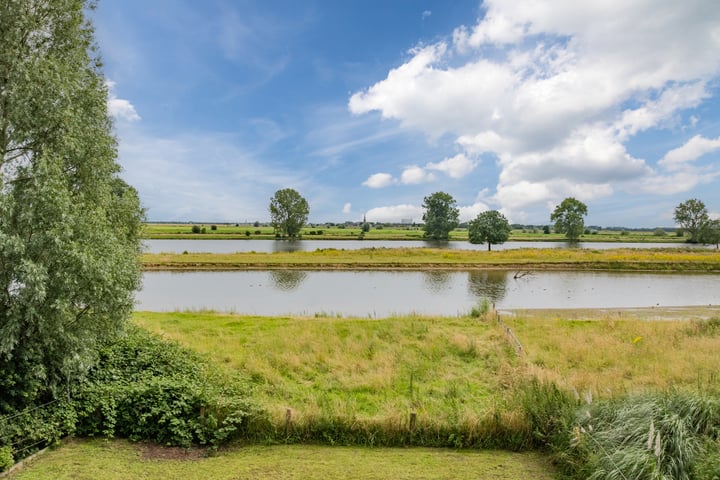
(153,451)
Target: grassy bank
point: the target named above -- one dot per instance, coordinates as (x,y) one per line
(370,373)
(409,232)
(452,372)
(685,260)
(115,460)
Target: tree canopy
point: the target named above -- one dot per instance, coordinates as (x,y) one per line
(288,212)
(692,216)
(710,233)
(69,226)
(568,218)
(491,227)
(441,215)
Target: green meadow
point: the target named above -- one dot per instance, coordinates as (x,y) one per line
(335,390)
(628,259)
(409,232)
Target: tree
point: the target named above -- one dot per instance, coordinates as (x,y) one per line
(692,216)
(568,218)
(288,212)
(441,215)
(710,233)
(69,226)
(491,227)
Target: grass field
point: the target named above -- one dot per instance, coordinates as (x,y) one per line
(627,259)
(410,232)
(448,370)
(119,460)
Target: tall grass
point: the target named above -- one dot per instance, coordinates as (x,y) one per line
(614,354)
(361,379)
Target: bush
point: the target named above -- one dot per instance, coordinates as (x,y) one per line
(6,458)
(659,232)
(257,232)
(247,233)
(195,229)
(213,227)
(145,388)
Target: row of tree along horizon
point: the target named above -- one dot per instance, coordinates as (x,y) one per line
(289,213)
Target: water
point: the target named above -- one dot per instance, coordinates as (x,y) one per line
(383,293)
(269,246)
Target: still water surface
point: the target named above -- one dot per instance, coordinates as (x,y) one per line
(379,294)
(269,246)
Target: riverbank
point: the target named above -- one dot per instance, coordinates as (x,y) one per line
(632,260)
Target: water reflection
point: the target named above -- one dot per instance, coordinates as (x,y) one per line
(287,280)
(436,281)
(490,284)
(287,245)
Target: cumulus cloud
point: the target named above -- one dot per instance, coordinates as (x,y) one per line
(120,108)
(395,214)
(379,180)
(695,148)
(413,175)
(455,167)
(555,89)
(347,208)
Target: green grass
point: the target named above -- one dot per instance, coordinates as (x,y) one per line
(114,460)
(410,232)
(627,259)
(446,370)
(611,353)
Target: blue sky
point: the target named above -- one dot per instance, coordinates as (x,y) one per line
(366,107)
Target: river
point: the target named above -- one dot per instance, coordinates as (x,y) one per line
(383,293)
(269,246)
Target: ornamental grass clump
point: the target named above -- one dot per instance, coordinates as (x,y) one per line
(649,436)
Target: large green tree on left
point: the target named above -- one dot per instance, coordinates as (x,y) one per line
(69,226)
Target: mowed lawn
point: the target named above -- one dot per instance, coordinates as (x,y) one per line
(116,460)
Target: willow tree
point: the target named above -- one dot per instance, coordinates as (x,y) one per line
(69,226)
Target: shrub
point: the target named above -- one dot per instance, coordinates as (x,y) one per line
(145,388)
(213,227)
(195,229)
(247,233)
(659,232)
(6,458)
(257,232)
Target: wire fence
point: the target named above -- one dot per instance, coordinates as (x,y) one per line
(29,430)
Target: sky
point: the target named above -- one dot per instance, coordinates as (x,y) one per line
(365,107)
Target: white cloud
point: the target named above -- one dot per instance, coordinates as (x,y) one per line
(413,175)
(695,148)
(379,180)
(455,167)
(426,14)
(347,208)
(118,107)
(395,213)
(469,212)
(555,89)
